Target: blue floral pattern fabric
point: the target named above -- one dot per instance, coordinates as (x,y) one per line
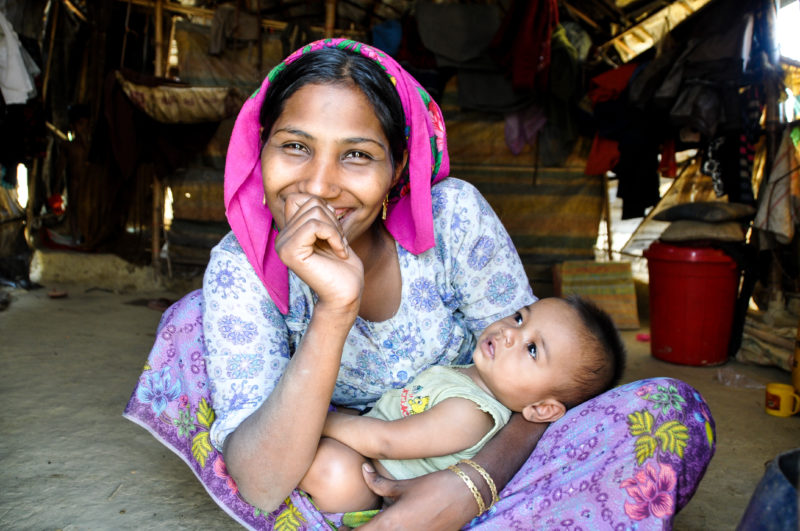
(449,294)
(630,458)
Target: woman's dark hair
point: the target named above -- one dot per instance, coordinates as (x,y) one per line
(604,354)
(336,66)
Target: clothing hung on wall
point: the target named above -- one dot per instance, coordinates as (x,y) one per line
(17,68)
(230,22)
(625,142)
(779,205)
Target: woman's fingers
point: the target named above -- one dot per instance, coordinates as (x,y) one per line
(384,487)
(435,502)
(312,244)
(296,204)
(311,224)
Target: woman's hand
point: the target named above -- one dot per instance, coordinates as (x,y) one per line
(436,502)
(441,500)
(313,245)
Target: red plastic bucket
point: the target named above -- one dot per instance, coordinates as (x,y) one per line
(692,299)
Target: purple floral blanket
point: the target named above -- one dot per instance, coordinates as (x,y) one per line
(627,459)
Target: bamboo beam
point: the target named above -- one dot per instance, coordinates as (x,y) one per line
(75,10)
(199,12)
(209,13)
(630,43)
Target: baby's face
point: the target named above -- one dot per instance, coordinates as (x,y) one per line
(526,356)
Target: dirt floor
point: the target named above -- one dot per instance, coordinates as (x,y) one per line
(68,460)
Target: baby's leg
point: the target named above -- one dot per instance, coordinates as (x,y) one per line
(334,480)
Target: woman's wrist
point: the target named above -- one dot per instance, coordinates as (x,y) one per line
(475,485)
(462,503)
(339,311)
(487,478)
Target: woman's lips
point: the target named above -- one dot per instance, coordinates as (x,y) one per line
(341,213)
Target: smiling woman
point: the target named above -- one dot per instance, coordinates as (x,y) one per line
(314,301)
(334,153)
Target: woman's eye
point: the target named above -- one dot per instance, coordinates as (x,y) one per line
(532,350)
(358,155)
(518,318)
(294,146)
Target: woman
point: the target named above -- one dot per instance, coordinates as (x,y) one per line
(353,265)
(334,157)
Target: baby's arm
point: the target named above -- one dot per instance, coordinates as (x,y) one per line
(453,425)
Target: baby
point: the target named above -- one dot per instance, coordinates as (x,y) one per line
(540,361)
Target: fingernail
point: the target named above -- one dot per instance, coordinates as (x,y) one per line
(368,468)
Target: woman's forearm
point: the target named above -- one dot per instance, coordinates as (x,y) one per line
(506,452)
(271,450)
(441,501)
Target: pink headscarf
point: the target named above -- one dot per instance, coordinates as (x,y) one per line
(410,215)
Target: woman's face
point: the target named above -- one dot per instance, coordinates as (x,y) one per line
(328,143)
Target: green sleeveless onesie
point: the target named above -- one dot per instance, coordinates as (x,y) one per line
(430,387)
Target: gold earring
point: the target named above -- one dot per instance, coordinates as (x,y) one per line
(264,200)
(385,203)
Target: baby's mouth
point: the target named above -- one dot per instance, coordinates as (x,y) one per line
(489,348)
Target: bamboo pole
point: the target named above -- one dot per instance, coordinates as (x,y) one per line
(159,37)
(607,215)
(330,18)
(155,250)
(33,175)
(125,35)
(158,191)
(260,49)
(50,46)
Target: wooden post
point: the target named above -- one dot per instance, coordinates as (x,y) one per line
(330,18)
(774,131)
(607,215)
(50,53)
(157,190)
(125,35)
(33,174)
(159,24)
(155,250)
(260,51)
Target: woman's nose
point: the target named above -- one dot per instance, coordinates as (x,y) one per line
(321,178)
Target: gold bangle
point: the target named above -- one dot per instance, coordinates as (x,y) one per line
(472,488)
(482,471)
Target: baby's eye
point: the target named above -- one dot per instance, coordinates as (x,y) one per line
(518,318)
(532,350)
